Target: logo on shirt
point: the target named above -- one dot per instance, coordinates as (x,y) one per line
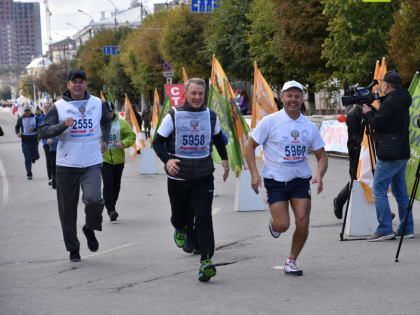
(82,109)
(194,124)
(295,134)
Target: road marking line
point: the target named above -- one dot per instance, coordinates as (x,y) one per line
(110,250)
(5,199)
(278,267)
(216,211)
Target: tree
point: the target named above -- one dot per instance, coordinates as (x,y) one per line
(118,82)
(227,35)
(404,47)
(91,59)
(359,33)
(140,54)
(27,84)
(260,40)
(5,92)
(297,44)
(54,79)
(183,43)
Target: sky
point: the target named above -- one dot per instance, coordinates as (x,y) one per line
(64,12)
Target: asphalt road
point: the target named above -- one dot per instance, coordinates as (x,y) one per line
(138,269)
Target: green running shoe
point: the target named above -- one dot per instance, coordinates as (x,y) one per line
(207,270)
(179,238)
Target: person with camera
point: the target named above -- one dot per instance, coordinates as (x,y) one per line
(390,123)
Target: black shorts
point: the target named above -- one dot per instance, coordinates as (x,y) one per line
(284,191)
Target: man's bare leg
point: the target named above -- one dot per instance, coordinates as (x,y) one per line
(280,219)
(301,208)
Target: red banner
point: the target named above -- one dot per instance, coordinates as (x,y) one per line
(176,94)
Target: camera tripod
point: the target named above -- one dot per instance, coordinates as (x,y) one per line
(410,208)
(365,129)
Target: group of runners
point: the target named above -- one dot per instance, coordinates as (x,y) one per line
(92,138)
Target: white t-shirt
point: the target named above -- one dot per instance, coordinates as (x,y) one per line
(167,126)
(286,143)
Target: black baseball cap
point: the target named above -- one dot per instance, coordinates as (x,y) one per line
(76,74)
(392,77)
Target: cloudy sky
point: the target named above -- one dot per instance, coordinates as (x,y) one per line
(66,20)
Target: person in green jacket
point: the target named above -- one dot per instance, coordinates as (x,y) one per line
(122,137)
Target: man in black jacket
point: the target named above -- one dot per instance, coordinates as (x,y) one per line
(392,118)
(26,128)
(183,142)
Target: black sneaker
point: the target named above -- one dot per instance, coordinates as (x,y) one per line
(49,182)
(188,247)
(273,233)
(74,255)
(337,210)
(113,215)
(92,242)
(29,177)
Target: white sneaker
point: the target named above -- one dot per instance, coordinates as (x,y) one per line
(291,267)
(273,233)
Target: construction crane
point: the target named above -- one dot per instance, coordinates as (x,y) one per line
(48,20)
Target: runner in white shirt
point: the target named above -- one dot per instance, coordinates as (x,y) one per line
(287,136)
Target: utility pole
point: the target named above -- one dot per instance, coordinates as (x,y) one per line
(115,13)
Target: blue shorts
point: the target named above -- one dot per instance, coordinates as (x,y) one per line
(284,191)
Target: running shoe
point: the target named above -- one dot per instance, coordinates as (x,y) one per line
(29,177)
(92,242)
(381,237)
(113,215)
(398,235)
(291,267)
(74,255)
(207,270)
(179,238)
(273,233)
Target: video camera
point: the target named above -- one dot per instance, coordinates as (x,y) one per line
(360,95)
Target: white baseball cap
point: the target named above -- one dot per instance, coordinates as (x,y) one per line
(27,106)
(292,84)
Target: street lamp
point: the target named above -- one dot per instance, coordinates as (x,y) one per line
(115,13)
(91,18)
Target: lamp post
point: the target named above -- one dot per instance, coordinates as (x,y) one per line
(91,18)
(115,13)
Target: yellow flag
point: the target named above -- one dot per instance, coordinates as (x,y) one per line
(139,144)
(218,80)
(155,114)
(102,97)
(382,75)
(184,75)
(263,103)
(364,169)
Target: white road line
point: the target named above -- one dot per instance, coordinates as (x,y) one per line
(216,211)
(5,197)
(110,250)
(278,267)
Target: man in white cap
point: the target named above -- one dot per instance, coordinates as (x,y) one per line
(286,137)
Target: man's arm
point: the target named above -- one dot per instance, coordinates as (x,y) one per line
(50,126)
(250,159)
(321,157)
(219,143)
(18,126)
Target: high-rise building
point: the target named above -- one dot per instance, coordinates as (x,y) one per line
(20,32)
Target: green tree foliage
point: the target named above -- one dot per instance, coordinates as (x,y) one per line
(54,79)
(183,43)
(301,31)
(27,84)
(404,47)
(5,92)
(140,54)
(227,35)
(260,40)
(118,82)
(91,58)
(359,32)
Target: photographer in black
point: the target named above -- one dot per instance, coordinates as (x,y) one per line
(391,123)
(354,131)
